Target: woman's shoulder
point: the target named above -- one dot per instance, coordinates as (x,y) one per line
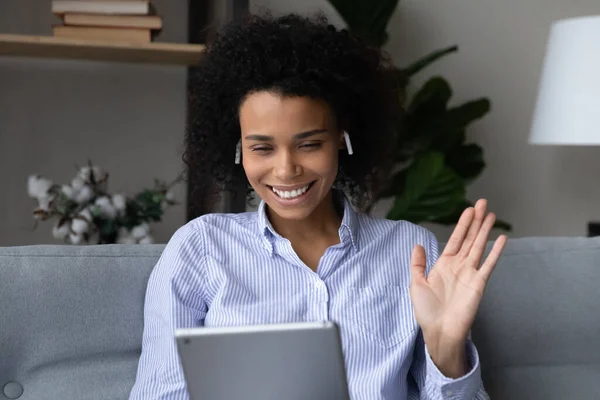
(208,229)
(221,220)
(395,231)
(221,227)
(383,224)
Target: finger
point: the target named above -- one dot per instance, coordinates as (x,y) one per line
(478,219)
(460,231)
(490,262)
(418,264)
(481,240)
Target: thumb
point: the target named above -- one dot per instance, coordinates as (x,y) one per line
(418,264)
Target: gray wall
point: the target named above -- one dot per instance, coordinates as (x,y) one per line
(127,118)
(541,190)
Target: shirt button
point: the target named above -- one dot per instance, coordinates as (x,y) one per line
(449,392)
(319,285)
(13,390)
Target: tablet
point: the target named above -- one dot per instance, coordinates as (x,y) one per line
(292,361)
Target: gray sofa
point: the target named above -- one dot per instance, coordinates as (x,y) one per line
(71,320)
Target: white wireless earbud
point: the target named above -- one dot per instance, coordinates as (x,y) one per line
(348,143)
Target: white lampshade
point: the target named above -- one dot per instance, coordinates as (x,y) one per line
(568,104)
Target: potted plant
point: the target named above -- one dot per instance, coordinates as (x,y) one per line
(84,212)
(434,162)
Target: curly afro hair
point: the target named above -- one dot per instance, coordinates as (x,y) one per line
(291,55)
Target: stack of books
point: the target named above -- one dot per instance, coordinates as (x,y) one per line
(129,21)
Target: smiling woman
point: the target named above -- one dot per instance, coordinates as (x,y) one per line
(293,166)
(303,114)
(266,64)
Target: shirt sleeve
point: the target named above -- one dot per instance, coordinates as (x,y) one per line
(174,299)
(429,382)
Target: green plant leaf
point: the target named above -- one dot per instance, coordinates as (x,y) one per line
(461,116)
(467,161)
(424,120)
(452,218)
(428,59)
(432,98)
(417,137)
(431,190)
(450,128)
(395,184)
(399,78)
(448,140)
(149,203)
(134,214)
(106,227)
(367,19)
(503,225)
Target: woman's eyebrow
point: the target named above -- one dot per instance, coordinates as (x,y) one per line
(301,135)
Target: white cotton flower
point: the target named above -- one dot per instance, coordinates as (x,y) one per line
(62,231)
(87,214)
(84,195)
(40,214)
(107,210)
(118,201)
(124,237)
(169,200)
(86,172)
(79,226)
(44,202)
(32,188)
(148,239)
(68,191)
(76,238)
(126,240)
(103,201)
(78,191)
(81,223)
(77,184)
(170,196)
(140,231)
(38,186)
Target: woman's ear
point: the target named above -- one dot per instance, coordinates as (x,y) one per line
(342,144)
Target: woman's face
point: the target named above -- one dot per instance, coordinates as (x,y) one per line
(289,151)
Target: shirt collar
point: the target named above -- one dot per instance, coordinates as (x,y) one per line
(348,229)
(268,234)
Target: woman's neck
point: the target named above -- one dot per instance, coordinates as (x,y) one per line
(324,221)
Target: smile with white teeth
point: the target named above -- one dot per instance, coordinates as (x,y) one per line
(291,194)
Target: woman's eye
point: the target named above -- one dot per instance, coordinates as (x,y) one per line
(260,149)
(311,145)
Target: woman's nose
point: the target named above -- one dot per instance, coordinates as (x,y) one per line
(287,167)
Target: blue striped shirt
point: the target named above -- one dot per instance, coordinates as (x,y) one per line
(235,269)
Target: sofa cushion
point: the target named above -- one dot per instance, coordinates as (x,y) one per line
(72,319)
(538,327)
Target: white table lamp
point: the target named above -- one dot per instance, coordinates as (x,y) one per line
(568,104)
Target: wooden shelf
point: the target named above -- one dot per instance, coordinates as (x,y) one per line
(56,47)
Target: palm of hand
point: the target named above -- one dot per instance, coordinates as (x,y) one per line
(446,301)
